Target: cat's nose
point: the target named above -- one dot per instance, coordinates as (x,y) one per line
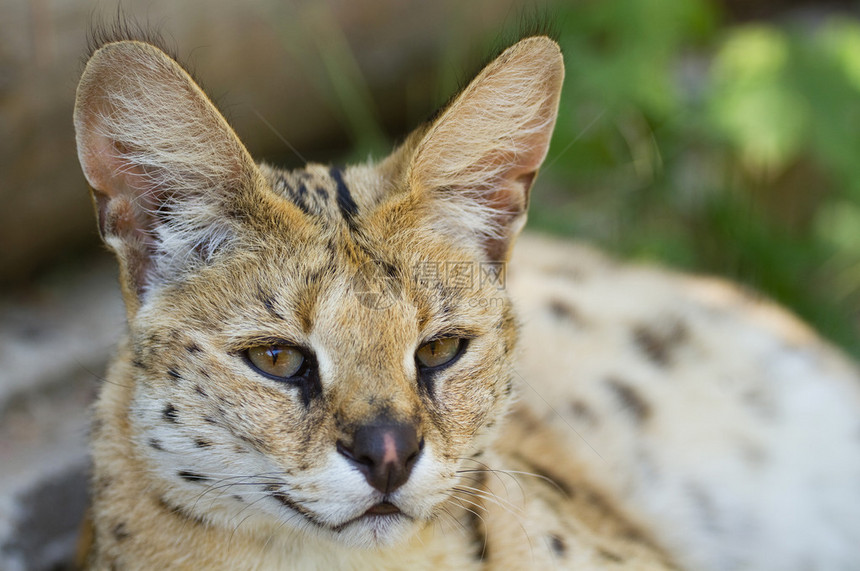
(384,452)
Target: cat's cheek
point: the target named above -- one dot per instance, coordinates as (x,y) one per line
(469,404)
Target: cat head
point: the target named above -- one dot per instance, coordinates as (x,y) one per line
(324,348)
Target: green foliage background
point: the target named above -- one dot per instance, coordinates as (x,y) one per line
(731,150)
(721,149)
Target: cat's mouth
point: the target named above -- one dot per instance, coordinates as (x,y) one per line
(383,508)
(381,511)
(380,524)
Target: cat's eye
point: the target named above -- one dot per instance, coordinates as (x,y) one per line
(281,361)
(439,352)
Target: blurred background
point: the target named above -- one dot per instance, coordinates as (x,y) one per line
(718,137)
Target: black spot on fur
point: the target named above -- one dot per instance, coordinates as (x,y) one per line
(156,444)
(174,373)
(169,413)
(192,348)
(301,194)
(630,400)
(607,555)
(210,420)
(658,343)
(202,443)
(199,390)
(582,412)
(558,545)
(297,194)
(138,364)
(120,532)
(191,476)
(269,303)
(390,270)
(565,312)
(238,498)
(633,535)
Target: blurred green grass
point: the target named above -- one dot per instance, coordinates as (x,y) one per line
(730,149)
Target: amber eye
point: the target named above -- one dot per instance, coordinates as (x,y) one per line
(439,351)
(283,361)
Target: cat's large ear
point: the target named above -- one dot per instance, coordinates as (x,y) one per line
(477,161)
(161,161)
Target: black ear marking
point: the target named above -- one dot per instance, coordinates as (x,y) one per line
(165,167)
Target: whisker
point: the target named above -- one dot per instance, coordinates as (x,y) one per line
(488,495)
(487,468)
(483,522)
(546,479)
(236,528)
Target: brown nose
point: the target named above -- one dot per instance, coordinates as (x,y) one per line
(384,452)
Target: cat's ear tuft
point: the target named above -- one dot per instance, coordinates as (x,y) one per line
(475,165)
(161,161)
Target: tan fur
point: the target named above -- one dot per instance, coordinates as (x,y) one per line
(200,462)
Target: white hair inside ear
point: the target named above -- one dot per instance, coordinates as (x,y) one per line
(160,158)
(479,159)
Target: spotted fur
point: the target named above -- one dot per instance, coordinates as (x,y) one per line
(661,420)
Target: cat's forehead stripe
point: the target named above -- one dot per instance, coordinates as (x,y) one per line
(345,202)
(319,191)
